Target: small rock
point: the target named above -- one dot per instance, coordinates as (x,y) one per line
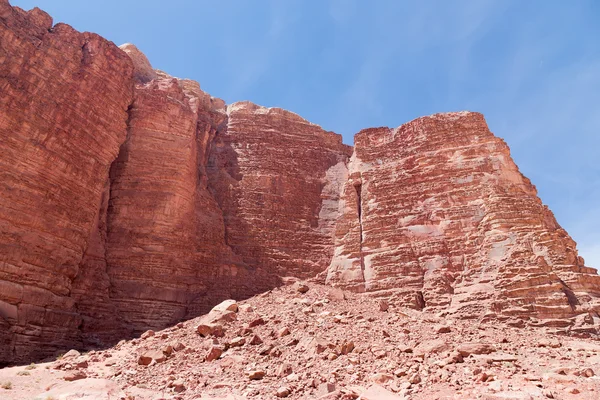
(383,305)
(147,334)
(381,378)
(247,308)
(204,329)
(573,390)
(283,391)
(178,386)
(214,353)
(301,287)
(178,346)
(237,342)
(548,393)
(146,357)
(256,340)
(256,322)
(415,378)
(167,350)
(284,370)
(283,332)
(442,329)
(466,349)
(256,374)
(346,347)
(74,376)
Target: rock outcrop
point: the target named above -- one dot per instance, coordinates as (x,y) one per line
(277,178)
(63,110)
(131,200)
(110,224)
(436,214)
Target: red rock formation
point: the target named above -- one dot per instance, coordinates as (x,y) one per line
(131,200)
(165,242)
(436,214)
(63,111)
(277,178)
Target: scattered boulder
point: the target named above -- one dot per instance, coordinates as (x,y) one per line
(71,354)
(148,356)
(283,391)
(301,287)
(213,353)
(227,305)
(75,376)
(381,377)
(147,334)
(466,349)
(256,374)
(237,341)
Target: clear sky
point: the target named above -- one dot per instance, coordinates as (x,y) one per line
(531,67)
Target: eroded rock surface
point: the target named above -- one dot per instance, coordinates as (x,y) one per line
(436,214)
(277,177)
(131,199)
(63,112)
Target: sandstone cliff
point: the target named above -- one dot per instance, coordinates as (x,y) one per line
(132,199)
(436,214)
(63,113)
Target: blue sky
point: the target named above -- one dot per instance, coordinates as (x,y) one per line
(531,67)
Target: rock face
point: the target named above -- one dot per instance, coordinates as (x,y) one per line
(131,200)
(277,178)
(108,224)
(436,214)
(63,112)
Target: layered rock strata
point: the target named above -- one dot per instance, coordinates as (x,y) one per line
(277,178)
(63,110)
(109,225)
(131,199)
(436,214)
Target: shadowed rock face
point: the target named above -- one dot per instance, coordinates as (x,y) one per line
(131,199)
(436,214)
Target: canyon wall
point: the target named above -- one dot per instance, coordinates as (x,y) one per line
(435,214)
(131,200)
(128,196)
(63,111)
(277,178)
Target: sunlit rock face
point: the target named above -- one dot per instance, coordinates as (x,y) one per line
(63,115)
(277,178)
(131,199)
(435,214)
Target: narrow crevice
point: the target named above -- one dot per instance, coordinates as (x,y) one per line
(571,297)
(421,300)
(358,188)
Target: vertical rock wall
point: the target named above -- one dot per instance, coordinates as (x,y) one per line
(130,200)
(276,177)
(63,112)
(436,214)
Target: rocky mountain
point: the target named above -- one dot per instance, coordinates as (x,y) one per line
(132,200)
